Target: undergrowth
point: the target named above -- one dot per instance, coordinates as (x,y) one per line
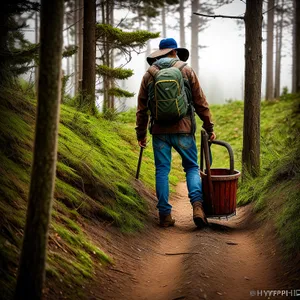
(96,166)
(276,192)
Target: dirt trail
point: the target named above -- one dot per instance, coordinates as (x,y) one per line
(225,261)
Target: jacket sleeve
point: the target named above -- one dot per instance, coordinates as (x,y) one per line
(142,116)
(199,101)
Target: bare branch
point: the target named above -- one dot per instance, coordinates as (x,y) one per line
(67,28)
(269,9)
(219,16)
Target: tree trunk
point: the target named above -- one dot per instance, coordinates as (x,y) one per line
(148,50)
(75,21)
(89,56)
(277,89)
(67,40)
(80,43)
(297,47)
(36,69)
(253,74)
(32,264)
(112,83)
(4,65)
(194,37)
(294,49)
(164,26)
(182,25)
(278,52)
(105,61)
(107,51)
(68,58)
(270,37)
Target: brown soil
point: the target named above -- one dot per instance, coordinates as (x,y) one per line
(227,260)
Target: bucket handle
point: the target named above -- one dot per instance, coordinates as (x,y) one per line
(205,146)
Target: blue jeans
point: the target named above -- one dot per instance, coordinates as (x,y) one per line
(185,145)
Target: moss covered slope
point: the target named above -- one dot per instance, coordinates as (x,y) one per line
(95,171)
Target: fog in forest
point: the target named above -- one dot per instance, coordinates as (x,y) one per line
(222,60)
(221,55)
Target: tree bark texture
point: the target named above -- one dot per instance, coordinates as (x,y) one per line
(107,54)
(195,37)
(89,55)
(68,71)
(106,57)
(80,43)
(253,75)
(164,25)
(278,51)
(112,83)
(75,21)
(4,65)
(148,50)
(270,43)
(294,49)
(297,46)
(36,69)
(182,25)
(105,62)
(32,264)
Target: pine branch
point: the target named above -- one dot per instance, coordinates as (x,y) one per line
(116,73)
(119,93)
(69,50)
(118,38)
(219,16)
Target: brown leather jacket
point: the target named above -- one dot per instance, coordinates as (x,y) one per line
(185,124)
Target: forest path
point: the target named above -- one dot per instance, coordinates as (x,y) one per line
(228,260)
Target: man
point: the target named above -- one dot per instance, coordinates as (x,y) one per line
(179,135)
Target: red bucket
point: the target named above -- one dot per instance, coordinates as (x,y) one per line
(219,185)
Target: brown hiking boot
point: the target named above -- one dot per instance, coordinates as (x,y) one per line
(166,220)
(199,215)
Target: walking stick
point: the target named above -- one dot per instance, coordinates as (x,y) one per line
(206,151)
(139,163)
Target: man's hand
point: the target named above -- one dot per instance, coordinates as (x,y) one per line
(212,136)
(143,143)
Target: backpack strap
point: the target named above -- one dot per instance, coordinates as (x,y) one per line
(179,64)
(153,70)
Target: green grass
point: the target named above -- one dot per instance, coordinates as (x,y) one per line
(276,192)
(96,166)
(97,161)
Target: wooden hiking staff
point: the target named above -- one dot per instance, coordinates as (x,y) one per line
(206,151)
(139,163)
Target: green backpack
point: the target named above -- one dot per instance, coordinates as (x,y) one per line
(168,101)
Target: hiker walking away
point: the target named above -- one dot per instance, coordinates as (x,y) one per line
(171,91)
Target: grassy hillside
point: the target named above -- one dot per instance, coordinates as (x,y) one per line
(95,174)
(276,192)
(97,162)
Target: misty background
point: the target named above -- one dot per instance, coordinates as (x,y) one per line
(222,61)
(221,65)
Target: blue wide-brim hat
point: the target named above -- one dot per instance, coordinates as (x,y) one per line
(166,46)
